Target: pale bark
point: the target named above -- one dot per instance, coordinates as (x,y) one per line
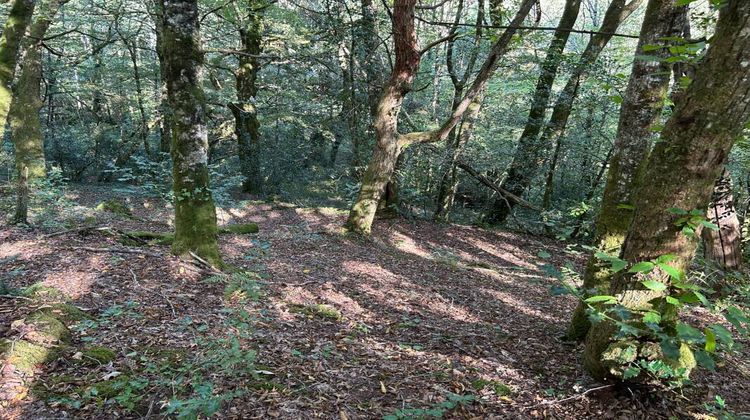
(195,214)
(723,246)
(10,43)
(533,150)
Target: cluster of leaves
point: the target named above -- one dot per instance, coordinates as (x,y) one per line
(437,410)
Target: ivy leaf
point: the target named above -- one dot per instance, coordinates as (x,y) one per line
(651,318)
(674,273)
(672,301)
(709,225)
(654,285)
(670,349)
(688,333)
(631,372)
(722,334)
(618,265)
(710,340)
(704,359)
(642,267)
(601,299)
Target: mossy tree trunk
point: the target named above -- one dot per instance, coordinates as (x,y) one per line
(533,150)
(10,43)
(195,214)
(25,122)
(246,124)
(723,246)
(640,112)
(389,143)
(681,171)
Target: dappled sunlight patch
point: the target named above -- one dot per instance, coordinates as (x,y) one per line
(24,249)
(407,244)
(519,305)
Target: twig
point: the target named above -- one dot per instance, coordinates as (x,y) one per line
(80,229)
(15,297)
(574,397)
(115,250)
(205,263)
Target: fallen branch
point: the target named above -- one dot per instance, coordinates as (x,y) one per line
(115,250)
(574,397)
(498,189)
(74,230)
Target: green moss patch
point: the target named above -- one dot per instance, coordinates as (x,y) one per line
(23,355)
(97,355)
(38,291)
(115,206)
(318,311)
(240,229)
(47,329)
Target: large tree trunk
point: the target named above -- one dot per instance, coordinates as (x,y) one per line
(195,214)
(247,126)
(25,122)
(681,172)
(10,43)
(533,150)
(387,147)
(723,246)
(641,110)
(389,142)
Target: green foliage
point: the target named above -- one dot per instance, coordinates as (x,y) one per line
(436,411)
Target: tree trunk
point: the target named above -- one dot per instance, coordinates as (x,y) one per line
(681,172)
(10,43)
(165,123)
(247,126)
(460,135)
(387,147)
(389,142)
(641,110)
(449,179)
(533,150)
(723,246)
(195,214)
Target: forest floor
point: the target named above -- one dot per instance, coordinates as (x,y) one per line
(419,320)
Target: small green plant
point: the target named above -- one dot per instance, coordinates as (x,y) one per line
(436,411)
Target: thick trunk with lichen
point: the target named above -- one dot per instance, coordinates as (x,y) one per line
(681,171)
(533,150)
(389,142)
(640,112)
(10,43)
(246,124)
(25,122)
(195,214)
(723,246)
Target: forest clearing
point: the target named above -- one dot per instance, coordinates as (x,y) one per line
(356,209)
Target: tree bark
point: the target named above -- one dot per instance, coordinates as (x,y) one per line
(247,126)
(165,122)
(532,150)
(460,135)
(723,246)
(640,112)
(681,172)
(389,142)
(10,43)
(195,214)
